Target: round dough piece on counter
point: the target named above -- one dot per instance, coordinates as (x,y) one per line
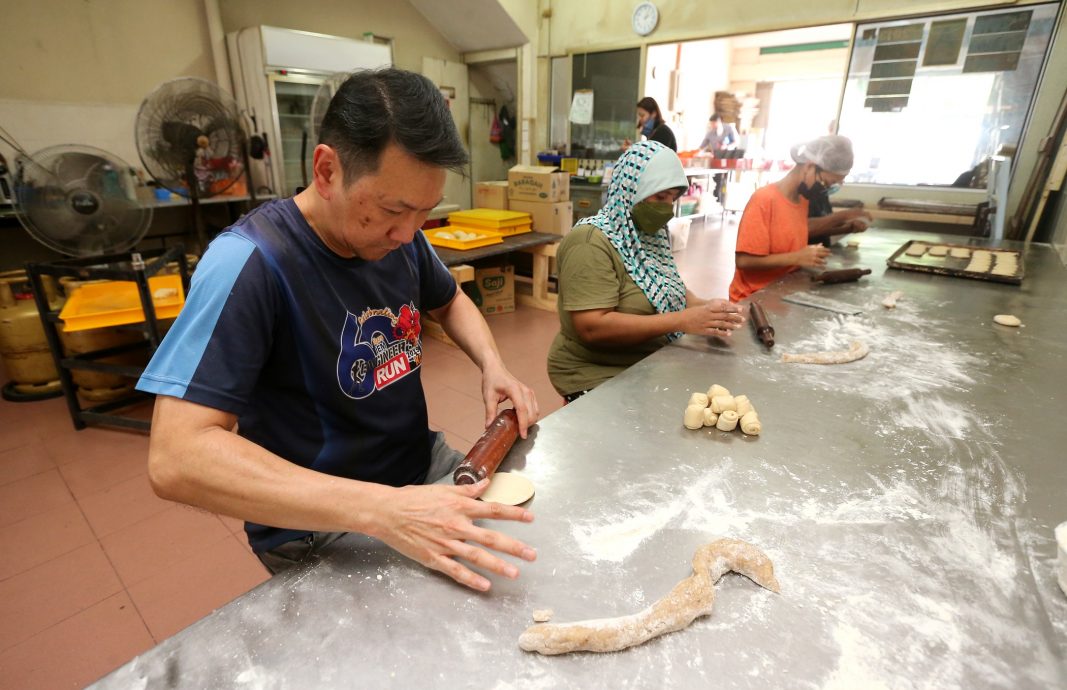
(698,399)
(727,421)
(939,250)
(541,615)
(750,424)
(710,417)
(853,244)
(716,390)
(742,405)
(508,488)
(721,403)
(693,417)
(1007,320)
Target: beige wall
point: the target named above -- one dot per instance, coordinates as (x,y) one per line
(76,71)
(105,51)
(580,26)
(413,37)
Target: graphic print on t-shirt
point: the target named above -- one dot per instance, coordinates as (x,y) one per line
(378,348)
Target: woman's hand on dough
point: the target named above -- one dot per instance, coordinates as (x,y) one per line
(717,317)
(433,525)
(812,256)
(499,385)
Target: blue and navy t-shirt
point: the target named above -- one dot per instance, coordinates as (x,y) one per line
(317,355)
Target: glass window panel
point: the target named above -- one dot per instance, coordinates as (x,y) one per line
(960,106)
(943,45)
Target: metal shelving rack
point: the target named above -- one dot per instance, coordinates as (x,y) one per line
(127,267)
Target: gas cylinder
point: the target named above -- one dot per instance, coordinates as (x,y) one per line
(23,345)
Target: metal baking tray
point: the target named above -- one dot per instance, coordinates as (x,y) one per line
(950,266)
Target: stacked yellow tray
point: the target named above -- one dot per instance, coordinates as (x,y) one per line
(462,238)
(506,223)
(116,303)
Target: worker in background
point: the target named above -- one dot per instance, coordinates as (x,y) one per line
(775,235)
(651,126)
(620,295)
(289,391)
(721,137)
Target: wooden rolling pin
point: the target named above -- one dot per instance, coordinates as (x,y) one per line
(845,275)
(760,323)
(485,456)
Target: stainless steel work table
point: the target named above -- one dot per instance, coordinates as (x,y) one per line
(907,500)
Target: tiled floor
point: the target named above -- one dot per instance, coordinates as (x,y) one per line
(97,569)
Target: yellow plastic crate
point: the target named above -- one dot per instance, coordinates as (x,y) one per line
(438,237)
(491,219)
(116,303)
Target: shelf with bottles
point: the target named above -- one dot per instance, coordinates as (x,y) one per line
(593,170)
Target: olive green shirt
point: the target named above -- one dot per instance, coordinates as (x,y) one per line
(592,276)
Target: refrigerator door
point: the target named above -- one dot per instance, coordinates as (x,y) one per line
(291,96)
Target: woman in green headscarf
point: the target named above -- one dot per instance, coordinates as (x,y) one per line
(620,295)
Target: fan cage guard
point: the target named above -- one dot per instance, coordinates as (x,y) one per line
(169,123)
(79,200)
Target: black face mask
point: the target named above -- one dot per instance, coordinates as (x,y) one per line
(816,191)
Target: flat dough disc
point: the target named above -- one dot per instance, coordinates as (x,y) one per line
(508,488)
(1007,320)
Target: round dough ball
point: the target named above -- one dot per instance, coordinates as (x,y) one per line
(750,424)
(444,235)
(727,421)
(508,488)
(717,390)
(698,399)
(853,244)
(721,403)
(1007,320)
(710,417)
(693,417)
(743,405)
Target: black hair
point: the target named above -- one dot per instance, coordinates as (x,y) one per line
(649,105)
(374,108)
(715,117)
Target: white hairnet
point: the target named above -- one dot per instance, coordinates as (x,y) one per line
(832,153)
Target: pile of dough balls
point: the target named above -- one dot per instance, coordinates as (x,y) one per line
(456,234)
(721,410)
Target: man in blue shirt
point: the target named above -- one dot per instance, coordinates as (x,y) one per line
(302,333)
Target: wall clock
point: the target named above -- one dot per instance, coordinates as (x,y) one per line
(645,18)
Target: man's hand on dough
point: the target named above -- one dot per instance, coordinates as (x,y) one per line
(434,525)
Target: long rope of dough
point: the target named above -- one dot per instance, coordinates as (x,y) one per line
(857,351)
(691,598)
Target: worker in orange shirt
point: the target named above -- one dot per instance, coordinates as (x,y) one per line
(775,236)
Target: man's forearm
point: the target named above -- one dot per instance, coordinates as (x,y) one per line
(197,462)
(818,228)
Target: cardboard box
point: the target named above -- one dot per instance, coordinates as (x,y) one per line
(556,218)
(493,289)
(491,195)
(538,183)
